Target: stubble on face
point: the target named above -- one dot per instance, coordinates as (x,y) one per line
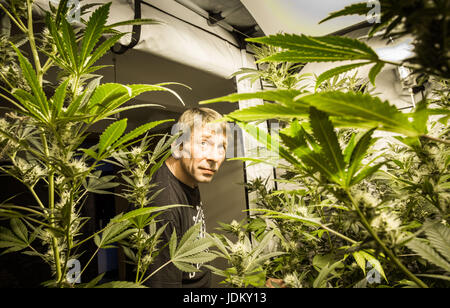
(207,153)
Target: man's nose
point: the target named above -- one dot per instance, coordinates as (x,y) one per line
(214,155)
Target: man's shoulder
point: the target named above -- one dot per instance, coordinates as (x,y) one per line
(166,186)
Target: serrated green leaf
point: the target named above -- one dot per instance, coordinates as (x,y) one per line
(275,214)
(298,147)
(19,229)
(188,237)
(58,98)
(63,58)
(198,258)
(268,111)
(90,152)
(360,260)
(285,97)
(428,253)
(111,134)
(191,248)
(322,278)
(262,244)
(306,57)
(144,211)
(326,136)
(315,45)
(173,243)
(94,30)
(29,103)
(354,9)
(133,22)
(374,262)
(302,48)
(366,172)
(185,267)
(112,233)
(362,107)
(270,142)
(70,44)
(138,131)
(439,236)
(337,71)
(349,148)
(261,259)
(102,49)
(105,94)
(218,243)
(358,153)
(420,116)
(374,71)
(61,13)
(32,80)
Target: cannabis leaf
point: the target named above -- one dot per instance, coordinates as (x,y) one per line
(190,249)
(16,238)
(304,49)
(436,249)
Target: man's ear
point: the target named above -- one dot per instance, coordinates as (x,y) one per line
(176,150)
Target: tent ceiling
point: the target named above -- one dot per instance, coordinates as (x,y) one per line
(232,12)
(273,16)
(299,16)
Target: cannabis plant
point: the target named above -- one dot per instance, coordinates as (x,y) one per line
(42,143)
(355,208)
(245,258)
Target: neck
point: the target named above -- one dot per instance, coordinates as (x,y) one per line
(178,171)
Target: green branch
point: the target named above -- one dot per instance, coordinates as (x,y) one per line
(18,22)
(32,41)
(391,255)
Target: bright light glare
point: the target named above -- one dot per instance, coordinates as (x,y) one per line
(396,53)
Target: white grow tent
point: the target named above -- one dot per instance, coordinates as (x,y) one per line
(188,49)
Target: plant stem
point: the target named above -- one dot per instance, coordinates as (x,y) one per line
(51,202)
(6,80)
(25,209)
(436,139)
(399,64)
(139,258)
(90,260)
(391,255)
(18,22)
(32,41)
(157,270)
(88,238)
(36,197)
(339,234)
(13,102)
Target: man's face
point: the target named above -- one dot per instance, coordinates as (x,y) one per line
(203,155)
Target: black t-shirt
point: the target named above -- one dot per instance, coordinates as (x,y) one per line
(180,219)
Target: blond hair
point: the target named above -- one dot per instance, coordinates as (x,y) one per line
(207,115)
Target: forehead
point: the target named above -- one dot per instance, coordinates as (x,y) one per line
(210,131)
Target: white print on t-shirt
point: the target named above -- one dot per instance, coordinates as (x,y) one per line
(199,218)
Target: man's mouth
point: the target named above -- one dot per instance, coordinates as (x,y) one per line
(208,171)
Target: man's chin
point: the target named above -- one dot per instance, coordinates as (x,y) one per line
(204,179)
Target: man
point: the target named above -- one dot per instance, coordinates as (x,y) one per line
(196,157)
